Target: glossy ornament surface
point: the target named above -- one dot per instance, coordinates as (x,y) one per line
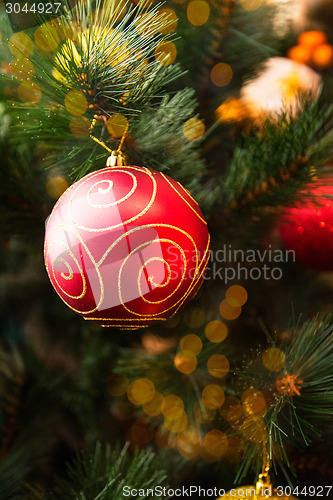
(307,228)
(126,247)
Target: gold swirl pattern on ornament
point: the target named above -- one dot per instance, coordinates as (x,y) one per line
(128,221)
(159,240)
(185,201)
(64,227)
(179,302)
(151,278)
(70,270)
(107,190)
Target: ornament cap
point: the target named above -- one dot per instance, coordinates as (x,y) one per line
(116,159)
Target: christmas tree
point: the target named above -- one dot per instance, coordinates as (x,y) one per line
(174,161)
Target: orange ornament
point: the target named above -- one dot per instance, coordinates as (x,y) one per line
(312,39)
(323,56)
(300,53)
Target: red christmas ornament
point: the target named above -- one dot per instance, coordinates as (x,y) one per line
(126,247)
(307,228)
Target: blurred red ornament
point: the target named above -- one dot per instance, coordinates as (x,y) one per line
(126,247)
(307,228)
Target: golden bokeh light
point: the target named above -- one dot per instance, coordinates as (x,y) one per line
(312,39)
(193,129)
(154,406)
(22,68)
(117,125)
(20,44)
(47,36)
(201,414)
(198,12)
(233,110)
(213,396)
(254,403)
(216,331)
(236,295)
(166,53)
(117,384)
(185,362)
(80,126)
(221,74)
(189,443)
(251,4)
(76,102)
(215,445)
(177,425)
(171,21)
(274,359)
(254,429)
(30,93)
(143,390)
(231,410)
(228,311)
(191,343)
(218,365)
(55,187)
(194,317)
(172,407)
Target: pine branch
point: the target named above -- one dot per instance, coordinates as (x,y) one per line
(103,475)
(283,155)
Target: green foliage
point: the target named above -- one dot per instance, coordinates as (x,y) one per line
(103,475)
(270,154)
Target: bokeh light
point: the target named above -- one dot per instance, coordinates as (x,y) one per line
(47,36)
(29,92)
(202,414)
(198,12)
(143,390)
(154,406)
(312,39)
(185,362)
(254,403)
(176,425)
(172,407)
(274,359)
(251,4)
(117,125)
(20,44)
(231,410)
(191,343)
(194,317)
(233,110)
(166,52)
(76,102)
(215,445)
(194,129)
(80,126)
(22,68)
(55,187)
(213,396)
(236,295)
(228,311)
(216,331)
(221,74)
(218,365)
(323,56)
(189,443)
(171,21)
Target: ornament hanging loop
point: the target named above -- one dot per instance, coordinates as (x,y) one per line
(116,159)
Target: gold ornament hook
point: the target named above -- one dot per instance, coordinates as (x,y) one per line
(117,157)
